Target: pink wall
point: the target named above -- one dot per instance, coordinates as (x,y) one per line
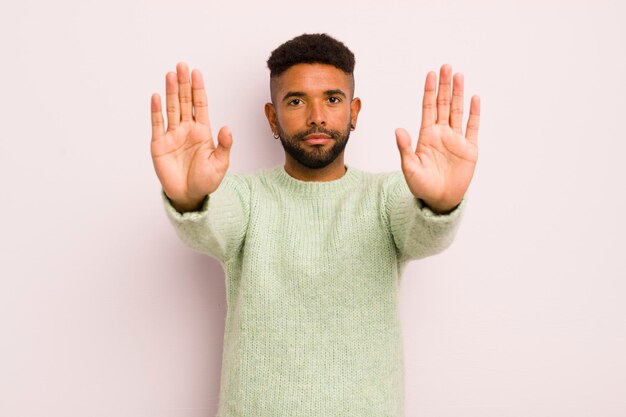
(103,312)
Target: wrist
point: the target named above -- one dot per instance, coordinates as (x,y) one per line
(440,208)
(185,206)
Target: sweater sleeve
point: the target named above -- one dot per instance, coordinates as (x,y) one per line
(218,229)
(417,231)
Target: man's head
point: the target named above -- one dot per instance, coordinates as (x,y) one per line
(312,108)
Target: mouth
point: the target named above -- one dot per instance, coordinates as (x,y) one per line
(317,139)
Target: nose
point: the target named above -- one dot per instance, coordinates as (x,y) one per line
(317,116)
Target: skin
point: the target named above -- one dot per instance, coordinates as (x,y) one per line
(308,96)
(190,165)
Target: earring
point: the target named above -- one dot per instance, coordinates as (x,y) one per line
(276,135)
(352,126)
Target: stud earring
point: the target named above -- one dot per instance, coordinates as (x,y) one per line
(276,135)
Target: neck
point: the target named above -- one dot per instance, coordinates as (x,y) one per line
(330,172)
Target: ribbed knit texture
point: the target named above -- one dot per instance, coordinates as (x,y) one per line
(312,277)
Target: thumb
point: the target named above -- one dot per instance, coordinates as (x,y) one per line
(224,143)
(403,140)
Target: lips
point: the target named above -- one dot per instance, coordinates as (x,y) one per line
(317,139)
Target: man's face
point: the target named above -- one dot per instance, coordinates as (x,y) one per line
(313,112)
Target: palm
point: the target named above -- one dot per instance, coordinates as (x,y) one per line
(440,169)
(185,158)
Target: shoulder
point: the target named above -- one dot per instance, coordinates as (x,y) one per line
(247,184)
(389,182)
(253,177)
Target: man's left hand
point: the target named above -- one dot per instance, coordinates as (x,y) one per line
(440,169)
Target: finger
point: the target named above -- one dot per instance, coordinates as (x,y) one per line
(171,101)
(157,117)
(200,106)
(403,140)
(224,143)
(184,92)
(456,109)
(443,95)
(473,122)
(429,104)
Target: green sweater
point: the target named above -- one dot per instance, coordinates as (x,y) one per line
(312,277)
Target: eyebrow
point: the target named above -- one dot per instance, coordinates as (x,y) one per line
(336,92)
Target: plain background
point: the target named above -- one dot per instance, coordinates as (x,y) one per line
(104,312)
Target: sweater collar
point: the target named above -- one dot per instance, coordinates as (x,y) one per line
(314,189)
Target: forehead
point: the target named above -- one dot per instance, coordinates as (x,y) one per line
(311,79)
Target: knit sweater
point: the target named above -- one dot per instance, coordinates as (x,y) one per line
(312,277)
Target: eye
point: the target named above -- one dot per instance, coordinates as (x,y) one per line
(334,100)
(295,102)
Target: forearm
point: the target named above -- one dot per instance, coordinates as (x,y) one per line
(217,226)
(418,230)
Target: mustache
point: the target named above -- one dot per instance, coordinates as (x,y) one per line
(335,134)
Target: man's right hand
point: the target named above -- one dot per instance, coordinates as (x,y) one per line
(185,158)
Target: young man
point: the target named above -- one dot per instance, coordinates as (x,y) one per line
(313,250)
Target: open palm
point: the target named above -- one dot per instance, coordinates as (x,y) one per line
(186,160)
(440,169)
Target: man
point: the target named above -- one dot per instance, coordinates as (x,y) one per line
(313,250)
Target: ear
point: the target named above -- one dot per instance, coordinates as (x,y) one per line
(355,108)
(270,114)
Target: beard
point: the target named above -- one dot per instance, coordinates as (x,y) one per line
(318,157)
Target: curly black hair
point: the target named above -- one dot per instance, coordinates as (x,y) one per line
(311,49)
